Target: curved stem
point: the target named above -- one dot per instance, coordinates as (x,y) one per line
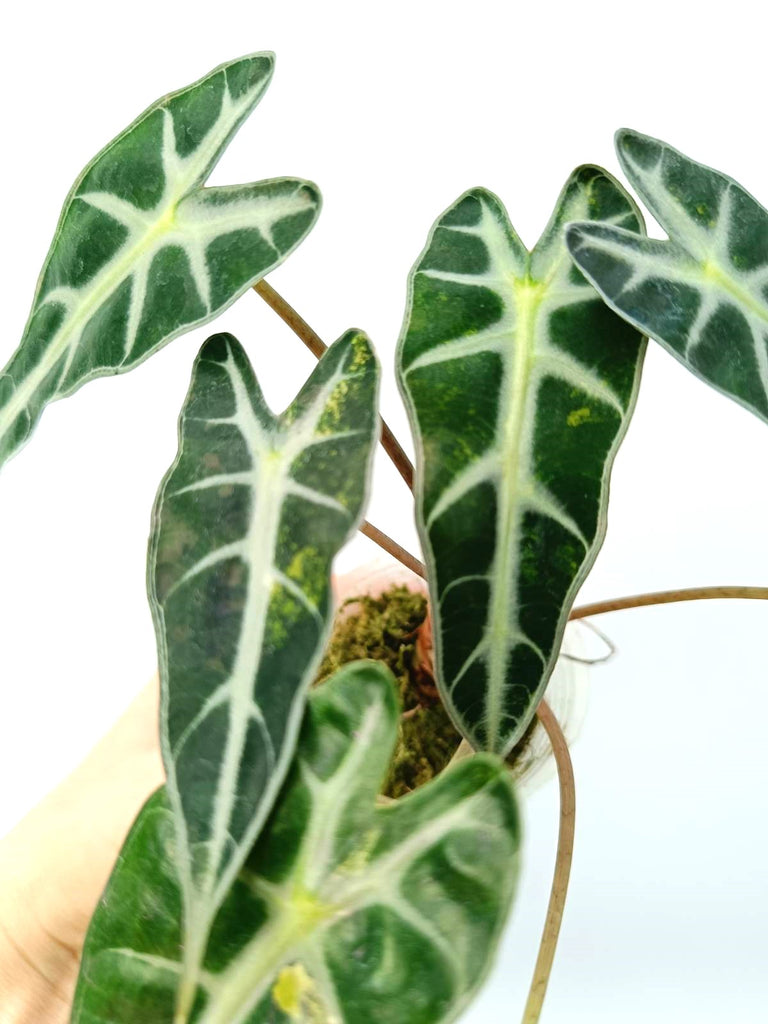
(563,862)
(317,346)
(393,548)
(670,597)
(288,315)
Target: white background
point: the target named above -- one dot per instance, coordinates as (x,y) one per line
(395,109)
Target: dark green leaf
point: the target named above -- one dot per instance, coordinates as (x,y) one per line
(704,293)
(143,253)
(520,384)
(246,525)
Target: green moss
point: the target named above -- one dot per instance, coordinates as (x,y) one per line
(386,628)
(426,743)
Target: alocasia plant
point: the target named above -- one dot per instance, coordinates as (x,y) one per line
(267,882)
(520,385)
(704,293)
(316,913)
(143,252)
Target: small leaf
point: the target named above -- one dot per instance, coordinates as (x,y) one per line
(346,912)
(246,525)
(143,253)
(704,293)
(520,384)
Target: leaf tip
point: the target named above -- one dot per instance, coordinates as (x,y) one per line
(218,347)
(263,58)
(467,210)
(586,174)
(361,351)
(637,149)
(310,192)
(248,76)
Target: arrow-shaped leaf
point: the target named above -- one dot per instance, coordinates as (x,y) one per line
(246,525)
(345,913)
(704,293)
(520,384)
(143,252)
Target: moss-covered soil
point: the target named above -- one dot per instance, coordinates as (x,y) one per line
(387,628)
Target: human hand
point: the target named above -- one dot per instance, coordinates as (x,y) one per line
(56,862)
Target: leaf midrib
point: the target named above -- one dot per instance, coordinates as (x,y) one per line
(203,898)
(276,451)
(102,288)
(300,914)
(528,296)
(712,271)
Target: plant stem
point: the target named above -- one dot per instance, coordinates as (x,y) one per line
(288,315)
(563,861)
(670,597)
(393,548)
(317,347)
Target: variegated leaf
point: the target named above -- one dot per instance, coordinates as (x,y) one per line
(520,384)
(345,912)
(704,293)
(143,252)
(245,528)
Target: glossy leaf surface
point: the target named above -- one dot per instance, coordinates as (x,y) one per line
(245,528)
(520,383)
(704,293)
(346,912)
(143,252)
